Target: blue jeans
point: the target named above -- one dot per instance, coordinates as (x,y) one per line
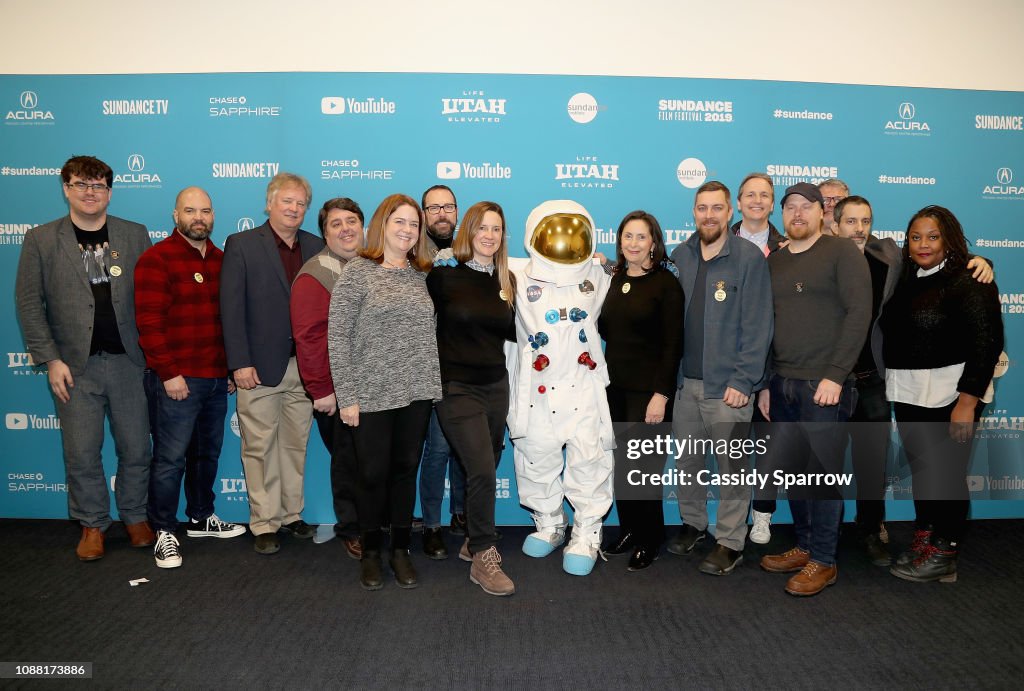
(187,437)
(808,438)
(437,455)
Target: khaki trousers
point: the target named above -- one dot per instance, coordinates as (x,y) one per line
(274,423)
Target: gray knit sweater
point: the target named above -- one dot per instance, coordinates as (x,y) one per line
(381,338)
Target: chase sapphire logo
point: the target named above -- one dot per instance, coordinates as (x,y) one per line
(907,110)
(29,100)
(1004,176)
(136,163)
(245,223)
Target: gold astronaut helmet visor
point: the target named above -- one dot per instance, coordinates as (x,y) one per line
(564,238)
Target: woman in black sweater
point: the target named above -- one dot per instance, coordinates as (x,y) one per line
(943,333)
(641,323)
(474,305)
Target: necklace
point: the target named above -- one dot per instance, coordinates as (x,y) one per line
(388,265)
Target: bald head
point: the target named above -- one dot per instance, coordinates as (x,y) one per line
(193,214)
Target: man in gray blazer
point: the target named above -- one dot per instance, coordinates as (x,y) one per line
(274,412)
(75,300)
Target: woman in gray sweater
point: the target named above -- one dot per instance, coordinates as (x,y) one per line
(383,353)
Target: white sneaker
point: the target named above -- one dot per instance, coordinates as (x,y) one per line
(213,527)
(165,551)
(761,531)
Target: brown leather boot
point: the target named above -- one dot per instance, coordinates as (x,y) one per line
(140,534)
(812,579)
(90,546)
(787,562)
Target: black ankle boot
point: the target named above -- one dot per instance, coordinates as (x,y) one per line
(935,562)
(371,570)
(922,537)
(401,564)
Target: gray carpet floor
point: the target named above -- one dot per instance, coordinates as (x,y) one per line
(230,619)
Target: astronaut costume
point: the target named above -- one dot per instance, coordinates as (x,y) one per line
(557,377)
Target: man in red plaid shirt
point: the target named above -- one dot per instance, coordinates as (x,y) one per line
(177,309)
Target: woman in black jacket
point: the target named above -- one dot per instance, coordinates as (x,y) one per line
(943,333)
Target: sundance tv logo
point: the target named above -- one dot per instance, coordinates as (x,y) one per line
(29,112)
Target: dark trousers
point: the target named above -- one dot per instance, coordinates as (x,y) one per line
(187,438)
(473,419)
(388,445)
(337,437)
(765,502)
(869,448)
(939,468)
(808,438)
(643,517)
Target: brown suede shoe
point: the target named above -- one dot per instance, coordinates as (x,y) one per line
(90,546)
(812,579)
(140,534)
(353,547)
(787,562)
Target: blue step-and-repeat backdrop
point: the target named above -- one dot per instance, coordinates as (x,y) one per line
(613,144)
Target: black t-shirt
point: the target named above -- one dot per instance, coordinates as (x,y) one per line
(98,258)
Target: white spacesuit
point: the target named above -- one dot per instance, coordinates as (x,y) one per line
(558,377)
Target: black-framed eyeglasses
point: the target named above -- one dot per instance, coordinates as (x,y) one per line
(91,186)
(436,208)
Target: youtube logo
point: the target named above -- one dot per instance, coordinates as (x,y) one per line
(449,170)
(975,483)
(332,105)
(17,421)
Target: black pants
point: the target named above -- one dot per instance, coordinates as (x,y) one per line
(761,428)
(388,445)
(869,449)
(939,467)
(645,518)
(472,417)
(337,437)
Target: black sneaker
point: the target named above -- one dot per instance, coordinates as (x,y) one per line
(213,527)
(686,540)
(300,529)
(458,524)
(721,561)
(165,551)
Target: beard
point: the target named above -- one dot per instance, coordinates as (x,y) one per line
(709,234)
(444,234)
(197,230)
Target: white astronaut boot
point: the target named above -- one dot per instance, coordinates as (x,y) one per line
(549,535)
(580,554)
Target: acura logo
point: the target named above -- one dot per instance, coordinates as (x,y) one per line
(907,110)
(1004,176)
(246,224)
(29,100)
(136,163)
